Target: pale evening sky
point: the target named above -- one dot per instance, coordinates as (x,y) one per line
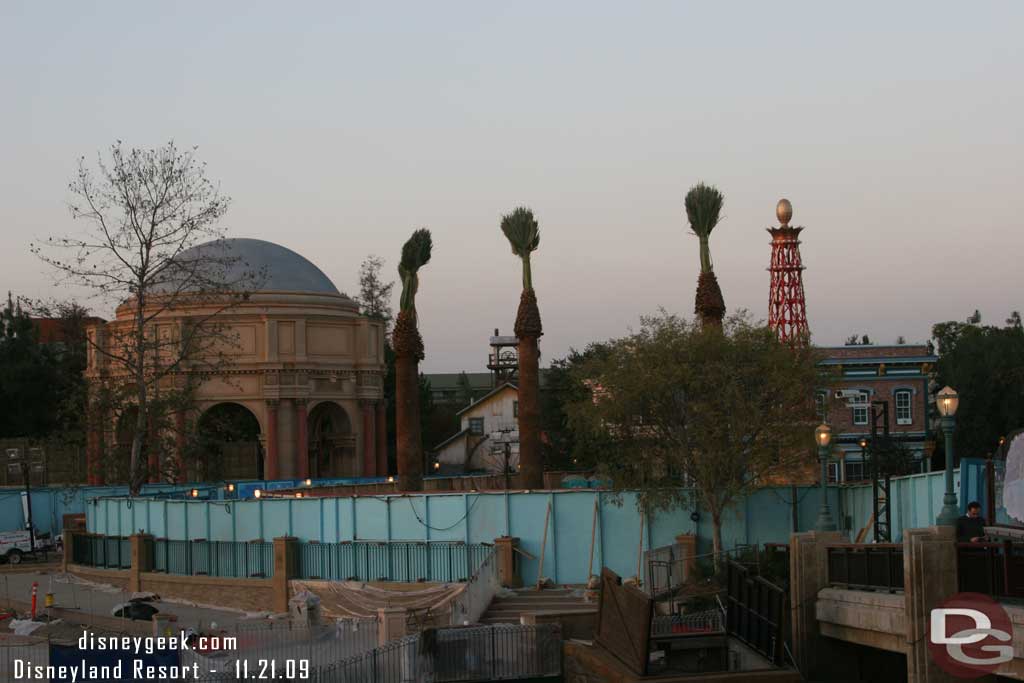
(339,127)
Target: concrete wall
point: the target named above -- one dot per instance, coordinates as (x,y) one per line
(917,501)
(469,517)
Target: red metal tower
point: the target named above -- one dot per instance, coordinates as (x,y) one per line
(787,310)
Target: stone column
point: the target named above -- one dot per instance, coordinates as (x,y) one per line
(285,559)
(689,551)
(369,439)
(382,439)
(302,439)
(180,474)
(808,572)
(929,577)
(272,469)
(504,549)
(142,560)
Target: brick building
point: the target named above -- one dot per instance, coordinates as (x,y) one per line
(895,379)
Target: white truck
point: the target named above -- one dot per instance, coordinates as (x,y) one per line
(15,544)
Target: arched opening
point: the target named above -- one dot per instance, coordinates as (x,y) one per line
(332,445)
(227,445)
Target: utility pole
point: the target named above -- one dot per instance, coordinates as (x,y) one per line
(27,472)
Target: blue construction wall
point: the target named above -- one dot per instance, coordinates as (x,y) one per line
(766,516)
(917,502)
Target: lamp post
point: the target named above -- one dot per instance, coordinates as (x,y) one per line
(823,437)
(948,401)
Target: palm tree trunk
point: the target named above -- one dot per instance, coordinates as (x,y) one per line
(408,348)
(529,414)
(528,329)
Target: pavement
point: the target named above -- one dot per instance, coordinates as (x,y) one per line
(73,595)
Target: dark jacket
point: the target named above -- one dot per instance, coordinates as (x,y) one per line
(968,528)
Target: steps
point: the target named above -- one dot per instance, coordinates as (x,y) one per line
(506,610)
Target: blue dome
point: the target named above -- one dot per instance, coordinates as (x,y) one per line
(246,264)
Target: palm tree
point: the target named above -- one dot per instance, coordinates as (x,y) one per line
(408,348)
(703,208)
(522,232)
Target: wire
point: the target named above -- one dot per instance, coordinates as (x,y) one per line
(435,528)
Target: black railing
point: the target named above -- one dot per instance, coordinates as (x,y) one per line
(995,569)
(866,567)
(878,566)
(392,561)
(235,559)
(108,552)
(755,611)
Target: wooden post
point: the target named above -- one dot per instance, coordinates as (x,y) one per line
(543,547)
(593,535)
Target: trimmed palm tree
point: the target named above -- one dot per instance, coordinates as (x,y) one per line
(408,347)
(703,210)
(523,234)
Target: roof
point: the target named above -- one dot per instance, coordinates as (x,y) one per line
(450,380)
(248,264)
(888,360)
(489,395)
(450,439)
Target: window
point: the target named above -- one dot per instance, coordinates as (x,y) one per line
(515,408)
(855,471)
(821,405)
(860,408)
(833,472)
(903,412)
(476,426)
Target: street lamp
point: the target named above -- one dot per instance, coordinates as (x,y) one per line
(948,401)
(823,437)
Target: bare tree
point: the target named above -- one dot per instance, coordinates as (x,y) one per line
(152,246)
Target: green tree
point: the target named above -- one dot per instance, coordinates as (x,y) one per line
(985,364)
(374,297)
(523,234)
(703,211)
(30,379)
(724,409)
(408,348)
(563,447)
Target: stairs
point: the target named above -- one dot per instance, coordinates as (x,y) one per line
(506,610)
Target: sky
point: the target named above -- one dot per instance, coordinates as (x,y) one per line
(337,128)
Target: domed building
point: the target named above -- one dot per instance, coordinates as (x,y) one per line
(297,389)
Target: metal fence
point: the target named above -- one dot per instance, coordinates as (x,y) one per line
(283,641)
(709,621)
(391,561)
(878,566)
(755,611)
(469,655)
(234,559)
(995,569)
(109,552)
(24,649)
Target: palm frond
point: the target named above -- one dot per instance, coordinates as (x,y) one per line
(415,255)
(416,251)
(703,208)
(522,231)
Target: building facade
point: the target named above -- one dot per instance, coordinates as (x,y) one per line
(871,385)
(488,437)
(304,371)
